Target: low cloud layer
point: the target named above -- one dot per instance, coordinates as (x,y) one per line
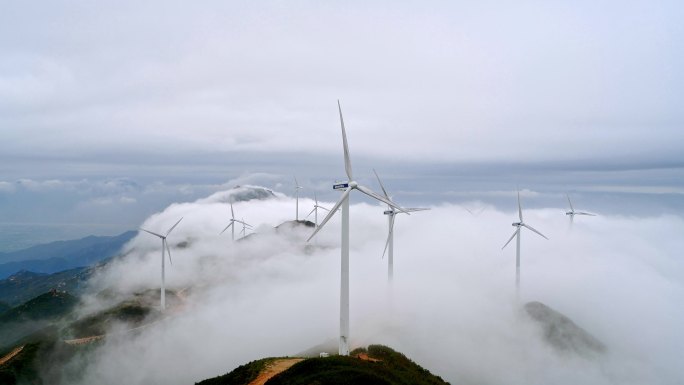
(452,307)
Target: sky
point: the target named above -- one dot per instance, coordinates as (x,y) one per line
(451,308)
(110,111)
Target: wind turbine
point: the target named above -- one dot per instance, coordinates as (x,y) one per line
(516,234)
(232,222)
(572,211)
(165,246)
(245,225)
(350,185)
(314,211)
(297,188)
(391,212)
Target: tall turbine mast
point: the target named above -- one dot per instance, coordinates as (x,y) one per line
(518,226)
(232,222)
(389,245)
(571,214)
(297,188)
(350,185)
(165,246)
(314,211)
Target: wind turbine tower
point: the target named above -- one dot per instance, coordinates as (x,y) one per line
(232,223)
(165,246)
(245,226)
(350,185)
(519,225)
(389,245)
(572,211)
(314,211)
(297,188)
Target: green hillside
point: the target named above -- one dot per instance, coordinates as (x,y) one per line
(378,365)
(45,306)
(34,315)
(4,307)
(25,285)
(243,374)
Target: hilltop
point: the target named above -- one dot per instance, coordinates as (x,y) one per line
(376,365)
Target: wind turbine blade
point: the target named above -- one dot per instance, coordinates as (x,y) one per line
(243,222)
(310,212)
(347,161)
(315,199)
(232,213)
(414,209)
(583,213)
(381,185)
(530,227)
(321,207)
(148,231)
(230,224)
(570,203)
(168,251)
(519,207)
(373,194)
(173,227)
(511,238)
(296,183)
(332,212)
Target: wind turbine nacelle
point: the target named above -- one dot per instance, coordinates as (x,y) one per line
(340,186)
(516,224)
(569,213)
(388,212)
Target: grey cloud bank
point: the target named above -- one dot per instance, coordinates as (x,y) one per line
(180,98)
(527,82)
(452,307)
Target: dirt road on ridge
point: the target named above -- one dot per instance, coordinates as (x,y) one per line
(275,367)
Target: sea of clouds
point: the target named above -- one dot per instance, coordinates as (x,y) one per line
(452,305)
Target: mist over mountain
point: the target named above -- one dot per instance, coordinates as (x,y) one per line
(452,307)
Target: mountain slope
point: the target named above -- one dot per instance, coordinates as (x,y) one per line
(562,333)
(63,255)
(379,365)
(34,315)
(25,285)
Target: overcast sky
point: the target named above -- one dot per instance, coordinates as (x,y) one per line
(99,100)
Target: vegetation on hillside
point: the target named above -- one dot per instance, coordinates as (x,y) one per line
(242,375)
(26,285)
(378,365)
(34,315)
(130,312)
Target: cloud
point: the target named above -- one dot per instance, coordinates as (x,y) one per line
(452,307)
(447,82)
(7,187)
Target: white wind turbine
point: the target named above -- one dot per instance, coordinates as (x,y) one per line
(165,247)
(572,211)
(297,188)
(245,225)
(389,245)
(232,223)
(344,203)
(314,211)
(518,226)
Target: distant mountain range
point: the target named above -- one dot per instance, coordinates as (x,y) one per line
(62,255)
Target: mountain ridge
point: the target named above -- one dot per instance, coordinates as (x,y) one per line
(57,256)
